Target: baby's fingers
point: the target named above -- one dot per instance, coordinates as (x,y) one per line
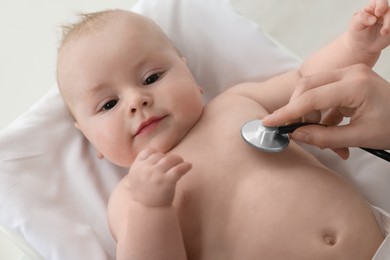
(386,23)
(362,20)
(378,7)
(175,173)
(173,166)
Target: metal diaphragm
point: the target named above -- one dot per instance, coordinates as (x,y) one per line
(264,138)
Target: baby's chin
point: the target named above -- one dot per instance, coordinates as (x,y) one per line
(163,146)
(156,145)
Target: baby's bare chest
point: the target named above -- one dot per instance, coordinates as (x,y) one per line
(241,203)
(238,197)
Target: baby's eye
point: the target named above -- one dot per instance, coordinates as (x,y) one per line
(152,78)
(110,104)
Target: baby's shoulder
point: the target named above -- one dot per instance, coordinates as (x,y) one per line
(241,88)
(234,102)
(235,93)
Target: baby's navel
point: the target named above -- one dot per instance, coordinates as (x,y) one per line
(329,236)
(329,240)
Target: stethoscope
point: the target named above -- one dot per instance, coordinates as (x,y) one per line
(275,139)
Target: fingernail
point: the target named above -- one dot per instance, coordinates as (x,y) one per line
(371,19)
(271,116)
(269,120)
(267,117)
(143,154)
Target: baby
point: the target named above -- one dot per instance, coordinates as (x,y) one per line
(195,189)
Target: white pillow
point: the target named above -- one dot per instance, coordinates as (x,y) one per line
(53,189)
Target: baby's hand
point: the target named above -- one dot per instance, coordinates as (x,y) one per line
(153,177)
(370,28)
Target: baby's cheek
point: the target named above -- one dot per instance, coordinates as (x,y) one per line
(121,157)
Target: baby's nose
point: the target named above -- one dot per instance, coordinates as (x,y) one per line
(139,101)
(138,106)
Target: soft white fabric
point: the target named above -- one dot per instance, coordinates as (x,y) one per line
(383,217)
(53,189)
(383,252)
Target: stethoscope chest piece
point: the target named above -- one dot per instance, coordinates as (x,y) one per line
(264,138)
(275,139)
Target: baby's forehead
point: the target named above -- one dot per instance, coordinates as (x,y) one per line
(120,29)
(117,22)
(94,23)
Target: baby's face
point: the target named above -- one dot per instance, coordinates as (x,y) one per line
(128,88)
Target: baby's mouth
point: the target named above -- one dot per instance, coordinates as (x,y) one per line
(149,125)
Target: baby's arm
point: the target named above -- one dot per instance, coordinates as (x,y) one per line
(367,36)
(141,216)
(361,44)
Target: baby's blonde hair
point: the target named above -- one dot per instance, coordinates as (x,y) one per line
(92,22)
(88,22)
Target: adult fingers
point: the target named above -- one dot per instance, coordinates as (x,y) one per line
(332,117)
(325,97)
(284,114)
(333,137)
(316,80)
(343,153)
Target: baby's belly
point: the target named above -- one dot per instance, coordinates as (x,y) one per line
(272,211)
(310,215)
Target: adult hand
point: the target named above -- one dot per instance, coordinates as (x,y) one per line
(356,92)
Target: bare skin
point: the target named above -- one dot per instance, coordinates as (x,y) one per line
(356,92)
(239,203)
(195,189)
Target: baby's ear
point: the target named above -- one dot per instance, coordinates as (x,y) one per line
(99,155)
(77,125)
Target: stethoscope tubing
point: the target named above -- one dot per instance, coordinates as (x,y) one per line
(379,153)
(292,127)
